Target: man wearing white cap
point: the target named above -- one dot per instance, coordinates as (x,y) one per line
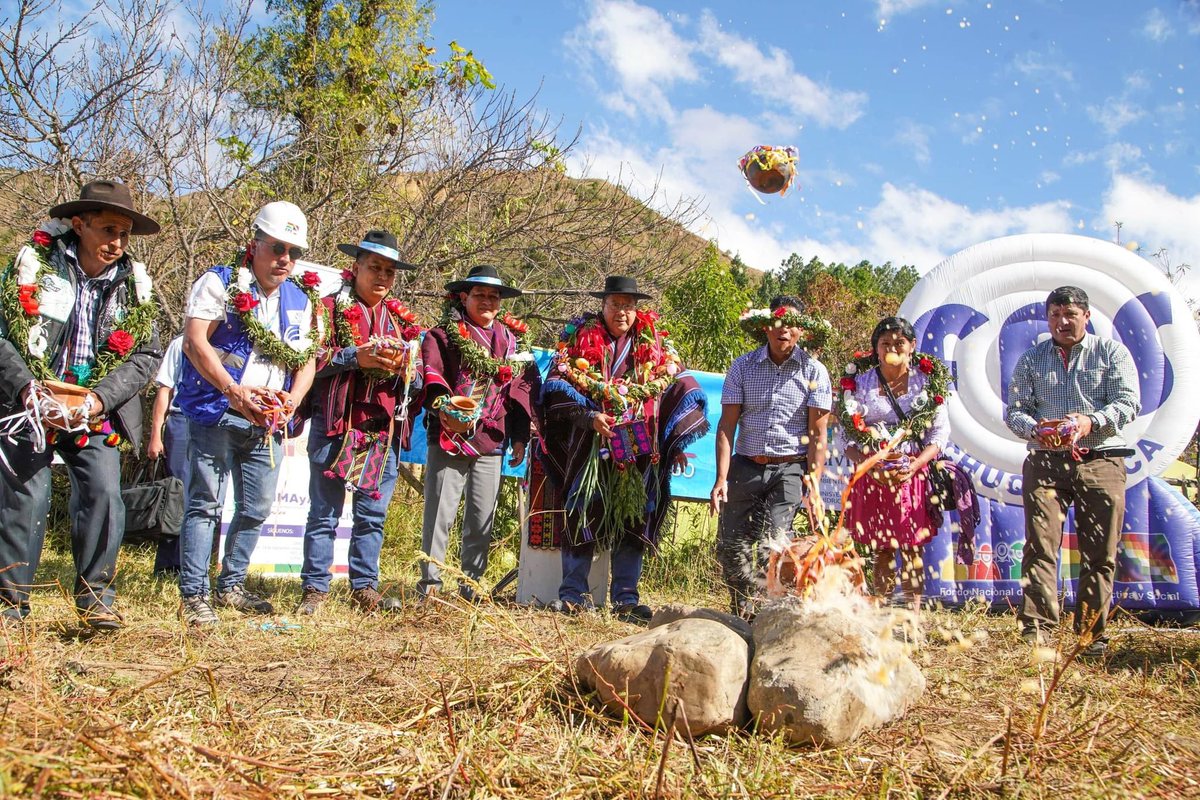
(250,344)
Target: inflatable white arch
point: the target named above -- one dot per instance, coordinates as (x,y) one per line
(979,310)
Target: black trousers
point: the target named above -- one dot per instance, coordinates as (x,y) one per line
(97,519)
(763,501)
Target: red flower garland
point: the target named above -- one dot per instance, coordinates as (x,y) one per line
(243,302)
(120,342)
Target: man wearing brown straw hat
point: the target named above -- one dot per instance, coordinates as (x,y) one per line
(480,382)
(74,308)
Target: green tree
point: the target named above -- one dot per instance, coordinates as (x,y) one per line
(701,311)
(853,298)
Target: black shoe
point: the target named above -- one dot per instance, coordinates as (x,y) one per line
(470,595)
(244,601)
(1096,650)
(101,618)
(633,614)
(1032,634)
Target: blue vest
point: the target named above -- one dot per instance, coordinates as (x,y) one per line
(199,400)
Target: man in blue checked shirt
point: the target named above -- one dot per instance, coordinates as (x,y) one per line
(777,400)
(1091,385)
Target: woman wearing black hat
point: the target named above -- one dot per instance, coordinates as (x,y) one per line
(480,381)
(618,411)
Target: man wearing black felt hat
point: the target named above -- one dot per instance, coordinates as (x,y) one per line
(618,411)
(75,307)
(363,402)
(480,383)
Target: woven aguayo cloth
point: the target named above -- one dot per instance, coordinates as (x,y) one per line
(678,420)
(547,520)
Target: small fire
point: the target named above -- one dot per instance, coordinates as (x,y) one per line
(795,566)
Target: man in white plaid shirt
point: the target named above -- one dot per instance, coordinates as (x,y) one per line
(777,400)
(1090,383)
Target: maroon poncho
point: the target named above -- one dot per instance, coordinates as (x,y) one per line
(567,437)
(348,398)
(507,405)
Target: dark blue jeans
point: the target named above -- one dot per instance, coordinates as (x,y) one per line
(327,498)
(625,571)
(233,448)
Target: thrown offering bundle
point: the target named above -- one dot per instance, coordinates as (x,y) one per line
(769,169)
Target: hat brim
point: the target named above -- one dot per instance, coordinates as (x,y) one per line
(353,251)
(506,292)
(142,225)
(638,295)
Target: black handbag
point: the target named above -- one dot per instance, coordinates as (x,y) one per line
(153,503)
(942,494)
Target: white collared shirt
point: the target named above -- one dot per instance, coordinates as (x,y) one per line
(209,300)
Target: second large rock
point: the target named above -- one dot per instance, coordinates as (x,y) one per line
(823,674)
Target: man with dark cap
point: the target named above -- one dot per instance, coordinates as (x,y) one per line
(480,382)
(76,309)
(1069,398)
(619,406)
(363,402)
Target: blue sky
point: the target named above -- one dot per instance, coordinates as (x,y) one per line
(923,127)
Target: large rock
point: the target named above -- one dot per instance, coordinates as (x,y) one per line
(671,612)
(823,674)
(701,666)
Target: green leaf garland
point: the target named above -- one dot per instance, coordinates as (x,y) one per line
(346,333)
(814,331)
(242,302)
(20,304)
(655,367)
(936,392)
(473,357)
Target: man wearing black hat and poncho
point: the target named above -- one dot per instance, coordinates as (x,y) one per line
(76,308)
(618,412)
(480,382)
(363,401)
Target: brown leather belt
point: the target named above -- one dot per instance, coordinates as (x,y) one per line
(764,460)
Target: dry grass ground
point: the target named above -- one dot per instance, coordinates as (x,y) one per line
(458,701)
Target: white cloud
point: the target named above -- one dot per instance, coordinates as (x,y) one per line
(643,51)
(765,73)
(1036,66)
(1157,28)
(915,137)
(1115,114)
(1154,217)
(1116,156)
(886,9)
(911,225)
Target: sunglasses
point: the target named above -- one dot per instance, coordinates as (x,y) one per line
(279,248)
